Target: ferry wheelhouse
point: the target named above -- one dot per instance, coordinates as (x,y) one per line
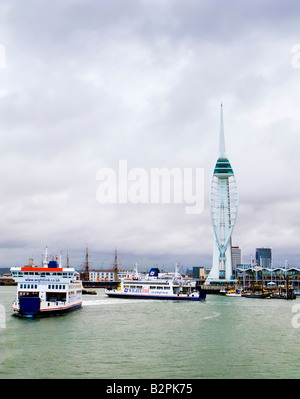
(46,290)
(157,286)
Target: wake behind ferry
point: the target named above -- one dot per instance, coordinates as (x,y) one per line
(157,286)
(46,290)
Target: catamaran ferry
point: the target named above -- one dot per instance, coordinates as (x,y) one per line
(157,286)
(50,289)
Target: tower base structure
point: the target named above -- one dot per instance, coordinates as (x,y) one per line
(221,272)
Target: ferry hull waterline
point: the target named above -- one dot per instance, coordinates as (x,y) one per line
(33,309)
(156,286)
(47,290)
(116,294)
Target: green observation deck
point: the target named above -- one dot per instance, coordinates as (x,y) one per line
(223,167)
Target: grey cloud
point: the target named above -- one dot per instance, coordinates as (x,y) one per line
(89,83)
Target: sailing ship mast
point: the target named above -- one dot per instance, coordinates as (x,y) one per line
(87,271)
(116,265)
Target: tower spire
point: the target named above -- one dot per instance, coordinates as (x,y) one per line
(222,139)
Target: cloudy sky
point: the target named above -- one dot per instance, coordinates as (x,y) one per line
(87,83)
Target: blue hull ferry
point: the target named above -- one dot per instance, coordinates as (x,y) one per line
(47,290)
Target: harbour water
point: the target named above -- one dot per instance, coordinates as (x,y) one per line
(223,337)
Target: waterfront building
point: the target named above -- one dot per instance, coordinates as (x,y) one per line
(223,210)
(263,257)
(102,275)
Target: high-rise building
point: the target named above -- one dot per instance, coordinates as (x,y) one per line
(223,210)
(263,257)
(236,253)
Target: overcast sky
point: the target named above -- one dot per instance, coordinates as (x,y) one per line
(85,84)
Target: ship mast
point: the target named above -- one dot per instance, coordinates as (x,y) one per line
(116,265)
(87,274)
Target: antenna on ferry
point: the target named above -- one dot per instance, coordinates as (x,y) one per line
(177,275)
(136,270)
(45,261)
(60,258)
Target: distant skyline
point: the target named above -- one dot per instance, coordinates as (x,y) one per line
(85,84)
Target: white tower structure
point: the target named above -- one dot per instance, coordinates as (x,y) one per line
(223,209)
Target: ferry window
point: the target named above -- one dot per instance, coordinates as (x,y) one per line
(65,274)
(26,273)
(152,287)
(35,286)
(31,273)
(64,287)
(21,285)
(56,287)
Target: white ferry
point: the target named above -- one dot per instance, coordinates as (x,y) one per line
(50,289)
(157,286)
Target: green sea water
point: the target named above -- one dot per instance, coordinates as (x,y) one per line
(223,337)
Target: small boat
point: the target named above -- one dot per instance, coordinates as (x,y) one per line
(257,295)
(89,292)
(235,292)
(157,286)
(50,289)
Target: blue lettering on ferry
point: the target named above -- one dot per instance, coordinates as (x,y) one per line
(51,280)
